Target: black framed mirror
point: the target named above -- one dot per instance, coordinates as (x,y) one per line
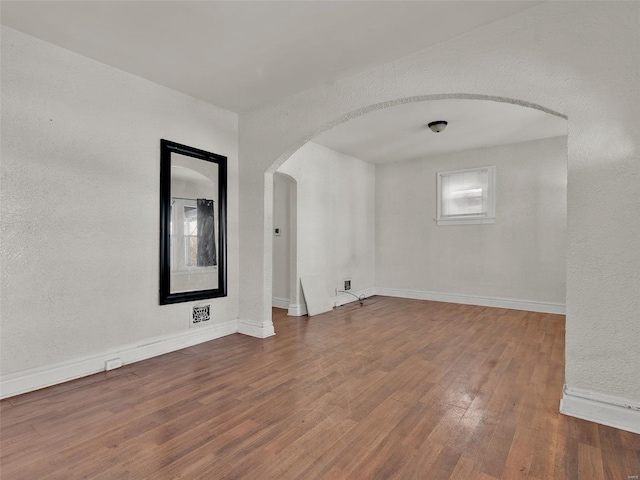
(193,224)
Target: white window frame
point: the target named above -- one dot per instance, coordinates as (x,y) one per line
(178,261)
(487,217)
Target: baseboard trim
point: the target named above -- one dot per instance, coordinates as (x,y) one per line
(344,298)
(514,304)
(278,302)
(601,408)
(34,379)
(257,330)
(297,310)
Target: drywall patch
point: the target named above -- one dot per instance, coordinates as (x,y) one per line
(316,294)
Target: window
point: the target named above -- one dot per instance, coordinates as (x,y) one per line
(190,236)
(466,196)
(190,250)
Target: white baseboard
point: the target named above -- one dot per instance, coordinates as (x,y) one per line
(280,302)
(344,298)
(297,310)
(36,378)
(601,408)
(514,304)
(254,329)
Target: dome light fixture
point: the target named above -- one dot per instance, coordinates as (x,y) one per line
(437,126)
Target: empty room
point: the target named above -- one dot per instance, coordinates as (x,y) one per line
(340,240)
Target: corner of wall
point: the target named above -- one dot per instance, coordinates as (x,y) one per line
(256,329)
(601,408)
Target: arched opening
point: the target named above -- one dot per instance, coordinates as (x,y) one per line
(378,106)
(477,254)
(285,288)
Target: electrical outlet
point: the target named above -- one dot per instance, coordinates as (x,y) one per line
(347,285)
(113,363)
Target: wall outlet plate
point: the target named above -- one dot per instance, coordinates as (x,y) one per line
(347,285)
(112,364)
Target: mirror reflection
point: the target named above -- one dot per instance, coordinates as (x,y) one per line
(192,224)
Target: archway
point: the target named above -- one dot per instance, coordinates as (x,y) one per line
(378,106)
(363,111)
(285,290)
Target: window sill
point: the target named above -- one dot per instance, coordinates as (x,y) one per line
(194,271)
(466,221)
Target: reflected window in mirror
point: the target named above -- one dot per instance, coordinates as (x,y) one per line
(193,246)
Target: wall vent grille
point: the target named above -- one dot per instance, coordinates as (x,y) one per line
(201,314)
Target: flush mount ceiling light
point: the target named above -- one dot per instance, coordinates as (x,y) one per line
(437,126)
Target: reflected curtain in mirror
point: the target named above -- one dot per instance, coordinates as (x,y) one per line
(206,234)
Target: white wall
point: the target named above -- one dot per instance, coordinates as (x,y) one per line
(577,58)
(520,257)
(80,140)
(281,243)
(80,207)
(336,216)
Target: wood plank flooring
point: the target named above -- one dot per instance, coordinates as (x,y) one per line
(397,388)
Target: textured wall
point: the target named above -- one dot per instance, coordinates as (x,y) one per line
(576,58)
(80,200)
(336,216)
(520,257)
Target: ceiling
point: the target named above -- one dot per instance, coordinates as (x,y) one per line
(240,55)
(186,174)
(400,133)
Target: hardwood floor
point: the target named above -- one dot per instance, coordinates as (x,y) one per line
(397,388)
